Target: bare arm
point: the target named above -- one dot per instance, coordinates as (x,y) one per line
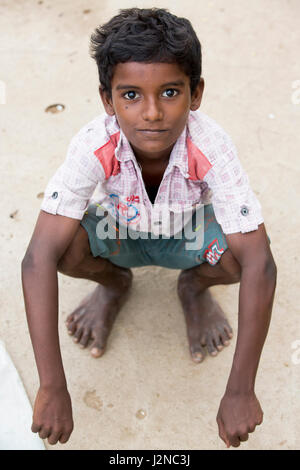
(51,237)
(256,295)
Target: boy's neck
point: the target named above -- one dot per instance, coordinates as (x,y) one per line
(155,161)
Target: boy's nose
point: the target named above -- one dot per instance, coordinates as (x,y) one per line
(152,111)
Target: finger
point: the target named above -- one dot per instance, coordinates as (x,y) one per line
(222,433)
(244,437)
(44,433)
(35,427)
(251,428)
(260,419)
(54,437)
(234,441)
(64,437)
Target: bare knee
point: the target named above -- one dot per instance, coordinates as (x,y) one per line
(76,254)
(231,266)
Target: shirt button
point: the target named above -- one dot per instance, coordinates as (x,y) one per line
(244,210)
(54,195)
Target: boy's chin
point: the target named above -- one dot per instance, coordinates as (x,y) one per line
(152,148)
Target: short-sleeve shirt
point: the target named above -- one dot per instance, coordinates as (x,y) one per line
(204,168)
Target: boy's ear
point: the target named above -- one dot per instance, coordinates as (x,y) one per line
(107,101)
(197,95)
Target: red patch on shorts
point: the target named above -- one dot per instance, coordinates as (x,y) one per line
(213,252)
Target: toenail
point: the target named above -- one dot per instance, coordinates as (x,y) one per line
(197,356)
(75,340)
(96,352)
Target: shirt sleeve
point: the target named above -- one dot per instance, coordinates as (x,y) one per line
(236,207)
(69,190)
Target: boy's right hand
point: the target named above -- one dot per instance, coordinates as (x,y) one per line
(52,415)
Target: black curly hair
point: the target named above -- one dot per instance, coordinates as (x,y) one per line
(146,35)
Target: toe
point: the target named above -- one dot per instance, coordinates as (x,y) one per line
(224,338)
(228,330)
(97,352)
(98,347)
(70,318)
(197,356)
(84,339)
(78,334)
(225,333)
(217,340)
(75,315)
(71,327)
(211,347)
(196,349)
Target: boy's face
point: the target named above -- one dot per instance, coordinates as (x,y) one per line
(151,103)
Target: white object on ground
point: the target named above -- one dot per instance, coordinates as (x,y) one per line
(15,409)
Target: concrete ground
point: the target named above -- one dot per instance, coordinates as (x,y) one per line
(145,392)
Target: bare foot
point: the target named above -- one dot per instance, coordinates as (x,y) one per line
(205,320)
(94,318)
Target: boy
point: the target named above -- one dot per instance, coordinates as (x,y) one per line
(152,150)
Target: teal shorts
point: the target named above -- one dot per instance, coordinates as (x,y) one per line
(172,252)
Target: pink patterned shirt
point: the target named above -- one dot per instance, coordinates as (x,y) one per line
(100,167)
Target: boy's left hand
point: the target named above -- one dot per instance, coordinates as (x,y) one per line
(238,415)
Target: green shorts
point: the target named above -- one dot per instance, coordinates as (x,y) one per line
(176,252)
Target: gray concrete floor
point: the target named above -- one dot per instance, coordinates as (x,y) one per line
(251,68)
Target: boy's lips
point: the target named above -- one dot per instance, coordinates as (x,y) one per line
(152,131)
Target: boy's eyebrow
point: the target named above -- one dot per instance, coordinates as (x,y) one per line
(125,87)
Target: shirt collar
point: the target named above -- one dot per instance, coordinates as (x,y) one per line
(178,157)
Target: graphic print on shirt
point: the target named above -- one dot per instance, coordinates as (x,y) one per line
(133,198)
(124,211)
(214,252)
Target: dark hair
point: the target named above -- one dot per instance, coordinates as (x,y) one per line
(146,35)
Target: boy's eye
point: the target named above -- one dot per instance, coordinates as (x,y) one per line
(170,92)
(131,95)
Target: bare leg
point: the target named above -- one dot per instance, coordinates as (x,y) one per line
(205,320)
(93,319)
